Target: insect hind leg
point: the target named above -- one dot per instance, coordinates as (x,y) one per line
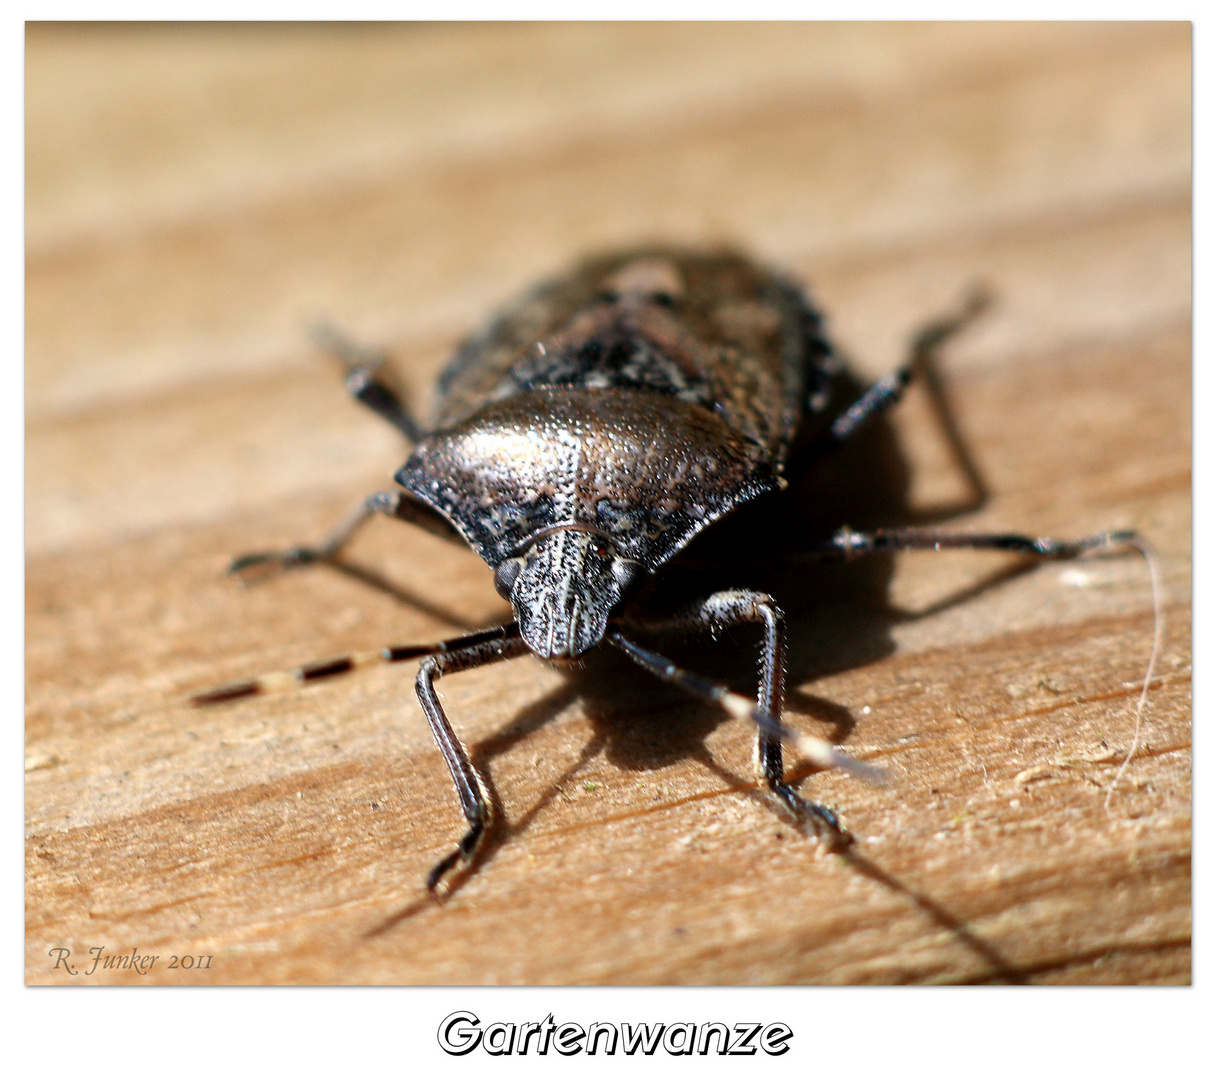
(848,544)
(362,381)
(890,389)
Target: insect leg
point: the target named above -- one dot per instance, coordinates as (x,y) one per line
(731,608)
(921,361)
(392,503)
(382,502)
(847,544)
(361,379)
(476,806)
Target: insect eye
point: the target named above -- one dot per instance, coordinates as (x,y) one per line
(506,574)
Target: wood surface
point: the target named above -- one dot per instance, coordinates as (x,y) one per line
(195,195)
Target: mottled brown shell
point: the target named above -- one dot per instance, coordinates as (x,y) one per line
(643,397)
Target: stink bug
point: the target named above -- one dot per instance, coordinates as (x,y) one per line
(585,438)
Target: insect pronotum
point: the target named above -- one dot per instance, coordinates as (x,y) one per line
(583,439)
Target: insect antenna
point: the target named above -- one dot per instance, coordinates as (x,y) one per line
(341,665)
(809,747)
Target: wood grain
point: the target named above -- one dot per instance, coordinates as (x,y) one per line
(196,194)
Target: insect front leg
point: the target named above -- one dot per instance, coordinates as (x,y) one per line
(734,607)
(476,806)
(390,503)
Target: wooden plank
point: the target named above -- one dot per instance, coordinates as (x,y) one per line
(405,180)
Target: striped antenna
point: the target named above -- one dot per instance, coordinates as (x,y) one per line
(341,665)
(808,747)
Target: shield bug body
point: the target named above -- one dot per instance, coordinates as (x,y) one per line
(585,438)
